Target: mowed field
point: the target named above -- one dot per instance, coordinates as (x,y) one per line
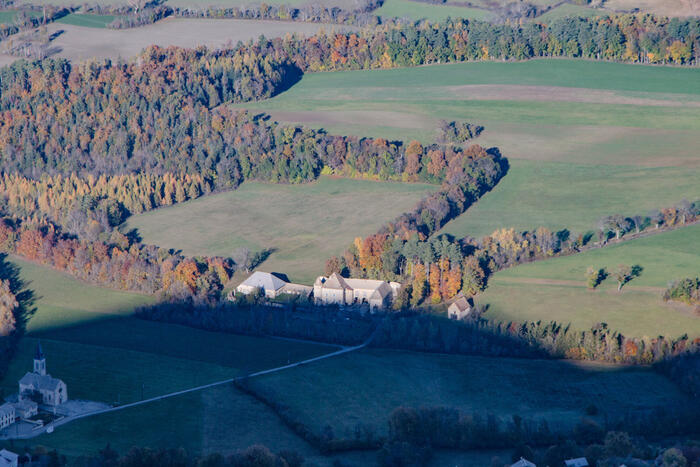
(84,37)
(584,139)
(365,387)
(556,289)
(303,225)
(420,10)
(103,354)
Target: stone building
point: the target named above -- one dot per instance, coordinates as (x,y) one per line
(52,391)
(337,290)
(7,415)
(271,286)
(460,308)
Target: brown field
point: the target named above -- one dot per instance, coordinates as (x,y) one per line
(511,92)
(81,43)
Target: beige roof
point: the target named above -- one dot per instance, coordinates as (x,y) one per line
(335,281)
(264,280)
(367,284)
(461,303)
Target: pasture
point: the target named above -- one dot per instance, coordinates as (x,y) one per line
(555,289)
(418,10)
(584,139)
(365,387)
(303,225)
(86,20)
(104,354)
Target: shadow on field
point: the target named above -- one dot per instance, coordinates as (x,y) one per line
(291,75)
(25,297)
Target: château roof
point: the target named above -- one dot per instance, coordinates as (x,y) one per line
(336,281)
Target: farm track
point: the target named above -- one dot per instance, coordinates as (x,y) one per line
(65,420)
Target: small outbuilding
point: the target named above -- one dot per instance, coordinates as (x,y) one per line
(460,308)
(577,462)
(268,283)
(8,458)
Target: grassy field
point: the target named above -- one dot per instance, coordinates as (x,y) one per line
(364,387)
(417,10)
(555,289)
(88,21)
(303,224)
(104,354)
(624,136)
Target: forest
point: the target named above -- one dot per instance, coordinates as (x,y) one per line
(82,146)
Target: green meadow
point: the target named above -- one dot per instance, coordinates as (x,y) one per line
(555,289)
(418,10)
(87,20)
(365,387)
(92,342)
(302,225)
(584,139)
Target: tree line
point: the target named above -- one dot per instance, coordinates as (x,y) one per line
(642,38)
(435,268)
(170,93)
(415,433)
(427,332)
(92,206)
(141,12)
(118,262)
(636,38)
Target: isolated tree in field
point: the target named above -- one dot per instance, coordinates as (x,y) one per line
(594,276)
(8,304)
(623,274)
(243,258)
